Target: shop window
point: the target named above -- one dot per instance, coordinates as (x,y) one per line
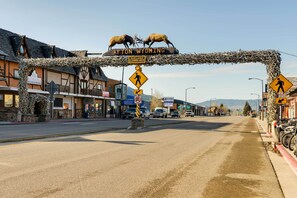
(1,100)
(58,102)
(8,100)
(16,101)
(66,106)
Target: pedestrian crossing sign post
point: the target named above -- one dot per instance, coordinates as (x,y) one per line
(138,78)
(280,84)
(138,91)
(281,101)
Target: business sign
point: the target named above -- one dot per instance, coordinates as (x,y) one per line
(168,101)
(105,93)
(118,91)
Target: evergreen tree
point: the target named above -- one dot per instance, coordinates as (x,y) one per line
(246,109)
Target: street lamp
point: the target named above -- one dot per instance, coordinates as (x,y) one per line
(258,100)
(262,113)
(187,92)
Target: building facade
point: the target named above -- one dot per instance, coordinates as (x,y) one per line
(82,92)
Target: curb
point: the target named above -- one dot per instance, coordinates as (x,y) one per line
(290,160)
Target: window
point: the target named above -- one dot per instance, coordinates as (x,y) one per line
(66,106)
(99,86)
(16,73)
(22,50)
(8,100)
(58,102)
(83,84)
(1,100)
(17,101)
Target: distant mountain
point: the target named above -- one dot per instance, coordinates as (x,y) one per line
(230,103)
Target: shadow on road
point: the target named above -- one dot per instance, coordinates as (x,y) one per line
(82,139)
(184,125)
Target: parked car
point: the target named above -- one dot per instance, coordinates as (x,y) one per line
(175,114)
(129,113)
(145,113)
(189,113)
(160,113)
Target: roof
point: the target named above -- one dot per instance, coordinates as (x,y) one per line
(3,53)
(98,74)
(10,44)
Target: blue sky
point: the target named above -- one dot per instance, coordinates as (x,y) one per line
(193,26)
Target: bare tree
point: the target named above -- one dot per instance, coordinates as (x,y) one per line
(156,100)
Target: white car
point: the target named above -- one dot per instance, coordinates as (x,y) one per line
(189,113)
(145,113)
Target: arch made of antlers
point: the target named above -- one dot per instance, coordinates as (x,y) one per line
(270,58)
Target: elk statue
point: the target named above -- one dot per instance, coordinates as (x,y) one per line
(123,39)
(155,38)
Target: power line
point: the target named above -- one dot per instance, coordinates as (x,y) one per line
(288,54)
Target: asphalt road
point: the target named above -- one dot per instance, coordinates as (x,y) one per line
(13,132)
(212,157)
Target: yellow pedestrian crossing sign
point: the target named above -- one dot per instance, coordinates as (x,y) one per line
(280,84)
(138,91)
(138,78)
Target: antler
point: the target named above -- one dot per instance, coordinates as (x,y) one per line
(138,39)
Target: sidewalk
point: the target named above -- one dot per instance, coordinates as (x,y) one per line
(283,161)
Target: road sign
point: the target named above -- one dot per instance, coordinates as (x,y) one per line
(280,84)
(52,87)
(137,99)
(138,79)
(280,100)
(138,91)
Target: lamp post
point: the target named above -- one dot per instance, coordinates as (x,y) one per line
(257,100)
(186,91)
(262,113)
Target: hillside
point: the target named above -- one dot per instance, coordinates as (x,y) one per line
(230,103)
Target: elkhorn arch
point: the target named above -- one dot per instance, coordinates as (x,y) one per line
(270,58)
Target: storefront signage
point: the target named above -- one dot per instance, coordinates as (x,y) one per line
(105,93)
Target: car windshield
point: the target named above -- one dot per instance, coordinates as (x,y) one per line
(159,110)
(130,110)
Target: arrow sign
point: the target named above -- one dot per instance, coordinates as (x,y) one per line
(280,100)
(138,91)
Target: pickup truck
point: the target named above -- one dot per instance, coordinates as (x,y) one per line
(189,113)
